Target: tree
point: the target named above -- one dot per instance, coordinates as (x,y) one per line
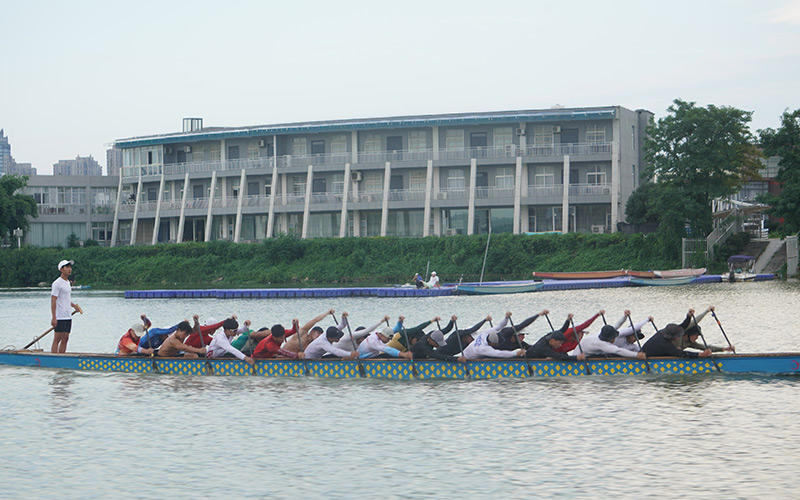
(698,154)
(15,207)
(785,143)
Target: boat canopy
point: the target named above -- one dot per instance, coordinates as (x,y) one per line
(735,259)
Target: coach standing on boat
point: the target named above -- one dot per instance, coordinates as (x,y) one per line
(60,303)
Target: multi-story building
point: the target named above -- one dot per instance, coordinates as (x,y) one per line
(512,171)
(81,165)
(72,204)
(113,161)
(5,153)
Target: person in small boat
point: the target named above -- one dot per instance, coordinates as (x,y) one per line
(398,340)
(175,346)
(627,338)
(661,344)
(513,337)
(270,346)
(202,334)
(60,303)
(433,282)
(323,345)
(486,343)
(375,345)
(305,334)
(453,347)
(418,282)
(430,345)
(220,345)
(550,345)
(355,337)
(129,343)
(246,339)
(603,344)
(570,341)
(692,332)
(153,337)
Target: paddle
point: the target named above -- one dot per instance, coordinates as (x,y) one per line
(408,347)
(549,323)
(705,344)
(361,372)
(150,342)
(604,318)
(209,368)
(723,332)
(646,363)
(461,347)
(575,333)
(519,342)
(40,337)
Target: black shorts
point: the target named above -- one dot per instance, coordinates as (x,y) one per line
(63,326)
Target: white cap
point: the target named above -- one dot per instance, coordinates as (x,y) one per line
(65,263)
(433,273)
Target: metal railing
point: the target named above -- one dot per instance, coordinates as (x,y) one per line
(494,192)
(572,149)
(551,190)
(589,189)
(452,194)
(406,195)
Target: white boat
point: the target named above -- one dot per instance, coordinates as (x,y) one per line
(741,268)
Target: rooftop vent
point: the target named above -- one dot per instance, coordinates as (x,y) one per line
(192,124)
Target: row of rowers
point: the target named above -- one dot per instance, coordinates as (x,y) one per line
(504,340)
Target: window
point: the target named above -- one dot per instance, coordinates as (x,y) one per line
(417,140)
(198,154)
(454,139)
(101,231)
(252,150)
(455,179)
(337,184)
(503,137)
(504,178)
(543,135)
(417,181)
(233,152)
(372,143)
(318,147)
(477,140)
(596,176)
(252,189)
(298,185)
(373,182)
(544,176)
(595,134)
(214,152)
(339,144)
(299,146)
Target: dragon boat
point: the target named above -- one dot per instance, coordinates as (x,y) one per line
(778,363)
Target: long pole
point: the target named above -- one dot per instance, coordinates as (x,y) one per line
(209,368)
(361,372)
(150,342)
(40,337)
(575,333)
(486,252)
(519,342)
(716,365)
(646,363)
(723,332)
(461,347)
(408,347)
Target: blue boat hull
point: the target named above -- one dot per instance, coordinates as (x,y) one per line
(498,289)
(786,363)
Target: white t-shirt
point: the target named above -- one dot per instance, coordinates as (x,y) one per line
(62,291)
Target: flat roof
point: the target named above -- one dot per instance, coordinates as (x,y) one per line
(218,133)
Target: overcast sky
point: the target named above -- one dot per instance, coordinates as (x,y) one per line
(75,76)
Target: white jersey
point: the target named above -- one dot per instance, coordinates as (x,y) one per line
(62,291)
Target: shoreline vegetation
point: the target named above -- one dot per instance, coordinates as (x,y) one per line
(289,261)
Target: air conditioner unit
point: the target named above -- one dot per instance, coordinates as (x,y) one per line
(168,151)
(262,143)
(556,129)
(600,229)
(520,131)
(356,176)
(187,149)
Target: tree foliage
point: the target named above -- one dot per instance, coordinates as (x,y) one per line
(15,207)
(785,143)
(695,155)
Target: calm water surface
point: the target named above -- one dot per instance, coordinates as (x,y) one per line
(80,435)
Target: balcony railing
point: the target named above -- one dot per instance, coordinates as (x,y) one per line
(589,189)
(401,155)
(61,209)
(368,197)
(452,194)
(494,192)
(406,195)
(317,198)
(551,190)
(572,149)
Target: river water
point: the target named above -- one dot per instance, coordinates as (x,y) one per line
(86,435)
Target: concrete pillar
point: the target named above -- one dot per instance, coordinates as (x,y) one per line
(426,217)
(157,221)
(345,195)
(115,226)
(135,223)
(272,182)
(209,215)
(354,145)
(615,178)
(307,207)
(473,174)
(435,143)
(517,195)
(182,219)
(238,229)
(791,256)
(387,176)
(565,198)
(437,213)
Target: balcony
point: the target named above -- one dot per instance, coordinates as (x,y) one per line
(453,194)
(548,190)
(392,156)
(589,189)
(573,149)
(494,192)
(406,195)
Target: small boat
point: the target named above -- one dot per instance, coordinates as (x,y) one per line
(680,273)
(401,369)
(585,275)
(497,288)
(641,274)
(662,281)
(741,268)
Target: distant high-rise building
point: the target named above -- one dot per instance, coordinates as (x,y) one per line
(81,165)
(5,153)
(21,168)
(113,161)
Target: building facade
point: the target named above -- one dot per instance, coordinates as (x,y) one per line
(81,165)
(564,170)
(5,154)
(72,204)
(113,161)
